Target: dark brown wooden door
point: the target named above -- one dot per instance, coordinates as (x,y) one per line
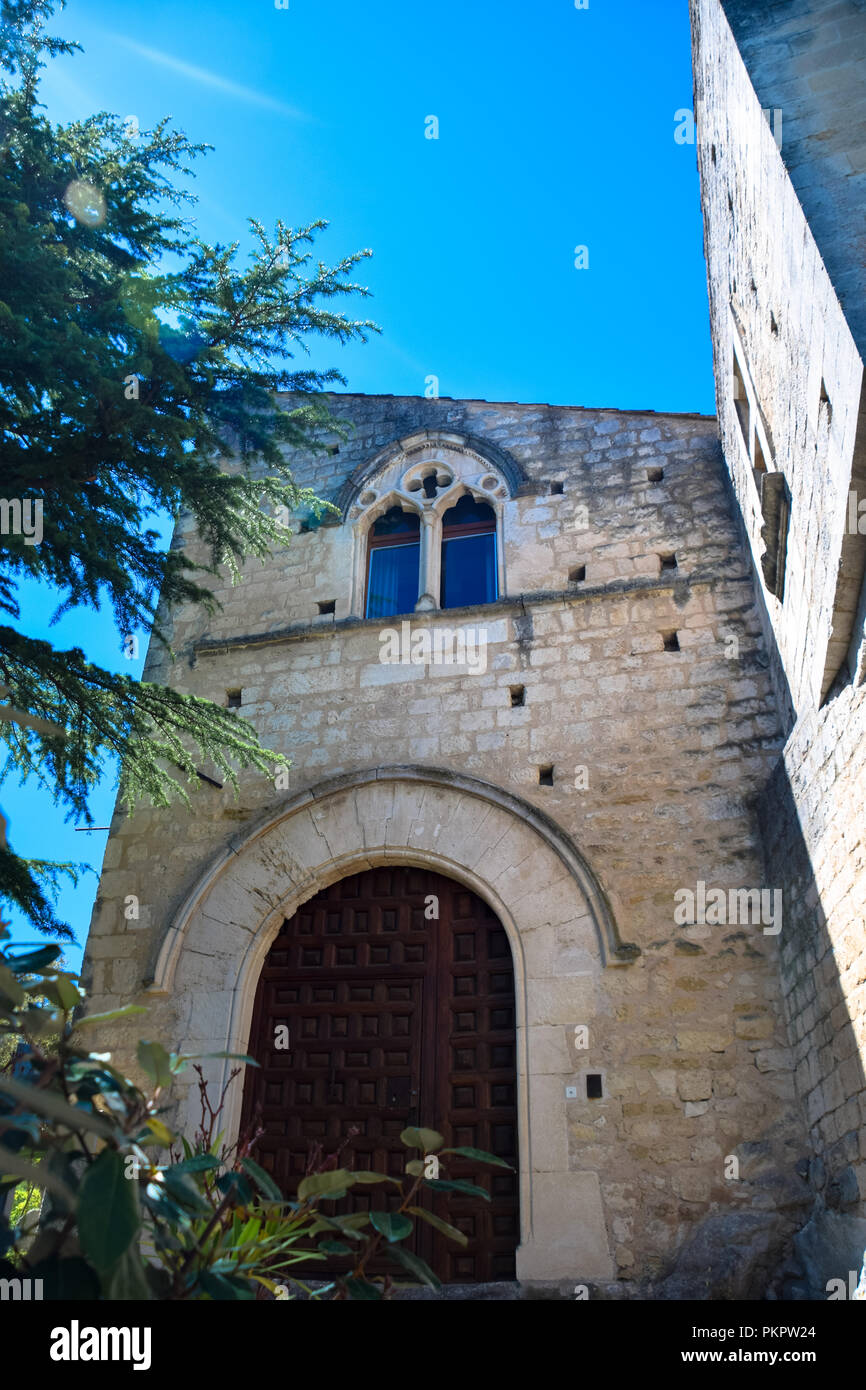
(394,1018)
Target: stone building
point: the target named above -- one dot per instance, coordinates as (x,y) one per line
(569,859)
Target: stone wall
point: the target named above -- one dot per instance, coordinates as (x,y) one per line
(813,816)
(792,291)
(807,58)
(656,756)
(772,303)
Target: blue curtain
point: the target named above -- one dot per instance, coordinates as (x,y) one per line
(393,586)
(468,570)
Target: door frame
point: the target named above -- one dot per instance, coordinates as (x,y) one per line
(243,998)
(507,851)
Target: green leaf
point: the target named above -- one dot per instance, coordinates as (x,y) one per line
(361,1290)
(366,1177)
(262,1180)
(49,987)
(127,1281)
(457,1185)
(391,1225)
(334,1247)
(153,1059)
(110,1016)
(351,1225)
(235,1186)
(425,1139)
(34,960)
(182,1188)
(10,986)
(416,1266)
(46,1102)
(415,1167)
(68,992)
(196,1163)
(222,1288)
(319,1184)
(160,1131)
(450,1231)
(108,1214)
(199,1056)
(323,1224)
(481,1155)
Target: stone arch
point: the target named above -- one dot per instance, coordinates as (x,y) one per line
(556,916)
(479,455)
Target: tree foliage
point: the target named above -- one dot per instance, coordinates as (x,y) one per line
(134,358)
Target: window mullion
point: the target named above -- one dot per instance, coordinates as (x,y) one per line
(429,562)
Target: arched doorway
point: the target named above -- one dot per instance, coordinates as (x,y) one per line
(397,989)
(560,926)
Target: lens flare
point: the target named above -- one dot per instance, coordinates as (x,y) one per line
(85,202)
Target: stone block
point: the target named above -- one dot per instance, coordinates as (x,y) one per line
(694,1085)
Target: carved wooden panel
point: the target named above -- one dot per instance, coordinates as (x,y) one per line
(395,1017)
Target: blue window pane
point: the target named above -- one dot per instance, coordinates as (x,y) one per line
(393,586)
(469,570)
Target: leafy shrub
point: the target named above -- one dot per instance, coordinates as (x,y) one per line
(205,1221)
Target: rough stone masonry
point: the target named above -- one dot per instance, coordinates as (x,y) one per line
(627,618)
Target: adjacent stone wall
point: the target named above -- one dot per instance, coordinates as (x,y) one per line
(768,286)
(655,754)
(813,817)
(769,281)
(807,58)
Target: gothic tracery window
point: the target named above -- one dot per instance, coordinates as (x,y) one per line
(430,558)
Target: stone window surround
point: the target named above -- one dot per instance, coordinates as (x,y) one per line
(758,436)
(772,514)
(468,474)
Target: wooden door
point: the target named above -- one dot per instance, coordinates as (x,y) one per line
(395,1017)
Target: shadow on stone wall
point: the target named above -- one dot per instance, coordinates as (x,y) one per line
(829,1074)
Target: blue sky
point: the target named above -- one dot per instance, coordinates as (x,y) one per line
(556,130)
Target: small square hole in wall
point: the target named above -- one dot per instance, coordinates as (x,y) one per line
(518,696)
(670,642)
(333,449)
(577,575)
(668,560)
(557,489)
(545,776)
(328,606)
(233,699)
(655,475)
(593,1086)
